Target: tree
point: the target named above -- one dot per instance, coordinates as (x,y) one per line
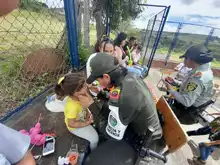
(32,5)
(117,10)
(86,23)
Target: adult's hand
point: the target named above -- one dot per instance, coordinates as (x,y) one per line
(85,99)
(169,79)
(94,89)
(168,86)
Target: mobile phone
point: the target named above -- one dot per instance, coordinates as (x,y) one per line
(49,146)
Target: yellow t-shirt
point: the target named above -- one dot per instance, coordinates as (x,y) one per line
(73,110)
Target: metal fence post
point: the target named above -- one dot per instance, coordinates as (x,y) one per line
(70,14)
(148,43)
(209,37)
(173,43)
(163,21)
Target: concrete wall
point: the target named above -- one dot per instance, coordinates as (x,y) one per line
(173,64)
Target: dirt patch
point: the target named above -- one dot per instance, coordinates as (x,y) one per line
(45,60)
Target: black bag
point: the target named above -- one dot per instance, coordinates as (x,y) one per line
(215,136)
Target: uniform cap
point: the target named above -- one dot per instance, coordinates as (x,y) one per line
(101,64)
(198,53)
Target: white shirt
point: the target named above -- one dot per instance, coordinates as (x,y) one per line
(183,71)
(88,68)
(136,56)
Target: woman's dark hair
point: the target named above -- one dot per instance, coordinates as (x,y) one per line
(139,47)
(99,42)
(132,38)
(118,40)
(107,42)
(69,84)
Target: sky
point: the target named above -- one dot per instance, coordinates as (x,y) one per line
(204,12)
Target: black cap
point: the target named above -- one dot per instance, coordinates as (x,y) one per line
(198,53)
(102,63)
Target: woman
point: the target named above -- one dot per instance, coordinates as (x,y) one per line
(105,45)
(119,43)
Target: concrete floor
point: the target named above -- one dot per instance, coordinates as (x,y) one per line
(54,123)
(186,152)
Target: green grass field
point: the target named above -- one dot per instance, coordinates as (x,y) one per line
(23,31)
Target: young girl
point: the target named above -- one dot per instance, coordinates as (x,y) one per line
(77,119)
(136,54)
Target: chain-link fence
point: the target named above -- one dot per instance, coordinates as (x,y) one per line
(150,37)
(33,51)
(177,37)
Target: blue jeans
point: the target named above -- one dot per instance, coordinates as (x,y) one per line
(205,151)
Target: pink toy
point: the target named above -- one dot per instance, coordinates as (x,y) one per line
(37,138)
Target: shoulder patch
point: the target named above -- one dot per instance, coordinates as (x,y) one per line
(191,86)
(114,95)
(198,74)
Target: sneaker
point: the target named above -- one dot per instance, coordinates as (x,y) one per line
(198,161)
(54,105)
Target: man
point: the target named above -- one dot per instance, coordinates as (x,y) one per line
(207,148)
(197,88)
(130,44)
(131,105)
(13,145)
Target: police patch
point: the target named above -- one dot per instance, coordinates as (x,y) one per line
(191,86)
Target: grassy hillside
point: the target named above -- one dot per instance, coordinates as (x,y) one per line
(184,41)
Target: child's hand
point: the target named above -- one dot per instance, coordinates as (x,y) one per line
(89,121)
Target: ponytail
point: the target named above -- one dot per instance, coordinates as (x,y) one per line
(69,84)
(59,91)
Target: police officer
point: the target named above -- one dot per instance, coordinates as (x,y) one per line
(197,88)
(131,107)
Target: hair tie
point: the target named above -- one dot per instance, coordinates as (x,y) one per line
(60,80)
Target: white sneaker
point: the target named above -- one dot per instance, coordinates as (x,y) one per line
(54,105)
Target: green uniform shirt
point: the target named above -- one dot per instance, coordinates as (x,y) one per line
(136,105)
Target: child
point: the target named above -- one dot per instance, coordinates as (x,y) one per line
(136,54)
(206,149)
(77,119)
